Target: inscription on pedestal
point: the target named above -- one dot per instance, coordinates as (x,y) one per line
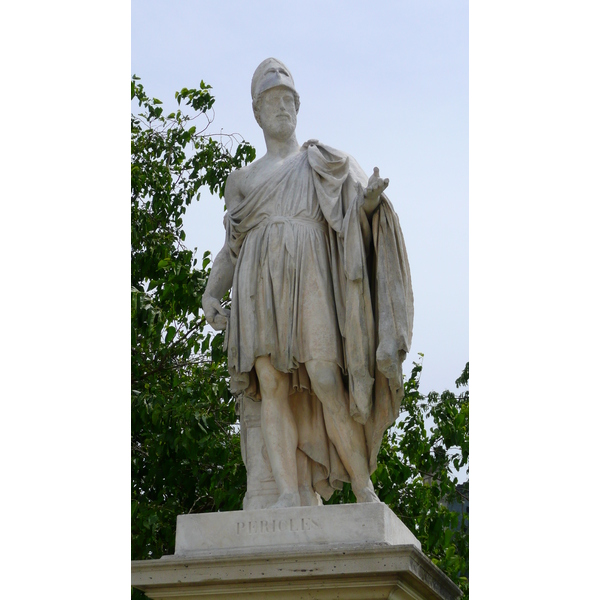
(275,526)
(290,527)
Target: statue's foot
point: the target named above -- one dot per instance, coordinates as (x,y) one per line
(287,500)
(366,494)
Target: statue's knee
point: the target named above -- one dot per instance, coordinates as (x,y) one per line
(269,385)
(324,378)
(271,381)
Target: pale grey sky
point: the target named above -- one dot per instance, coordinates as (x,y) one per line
(386,78)
(384,81)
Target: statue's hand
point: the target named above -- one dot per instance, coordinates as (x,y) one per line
(374,190)
(216,315)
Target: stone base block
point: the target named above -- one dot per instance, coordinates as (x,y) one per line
(307,526)
(352,552)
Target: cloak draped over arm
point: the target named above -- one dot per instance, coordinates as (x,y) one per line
(373,295)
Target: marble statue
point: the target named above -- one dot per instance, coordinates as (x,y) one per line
(321,303)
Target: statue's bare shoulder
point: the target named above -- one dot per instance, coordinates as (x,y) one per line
(233,188)
(237,186)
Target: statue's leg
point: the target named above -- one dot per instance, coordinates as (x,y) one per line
(347,435)
(279,430)
(308,496)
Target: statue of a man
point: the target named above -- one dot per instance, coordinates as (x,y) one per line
(321,302)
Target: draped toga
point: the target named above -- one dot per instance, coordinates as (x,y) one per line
(315,280)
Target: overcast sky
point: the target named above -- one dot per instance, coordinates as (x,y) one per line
(388,84)
(384,81)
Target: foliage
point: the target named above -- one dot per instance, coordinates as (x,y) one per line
(185,445)
(417,471)
(418,476)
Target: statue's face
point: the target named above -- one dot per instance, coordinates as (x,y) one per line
(278,112)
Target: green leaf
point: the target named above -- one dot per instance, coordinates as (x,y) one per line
(171,331)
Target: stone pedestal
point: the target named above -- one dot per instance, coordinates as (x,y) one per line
(352,551)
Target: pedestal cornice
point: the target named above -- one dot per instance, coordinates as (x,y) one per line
(349,571)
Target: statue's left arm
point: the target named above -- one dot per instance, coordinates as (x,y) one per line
(373,192)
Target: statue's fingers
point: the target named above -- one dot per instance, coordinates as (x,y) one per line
(220,309)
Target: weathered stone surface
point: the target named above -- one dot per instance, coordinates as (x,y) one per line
(343,571)
(311,526)
(351,552)
(261,490)
(321,308)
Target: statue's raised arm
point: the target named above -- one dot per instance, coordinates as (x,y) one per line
(375,188)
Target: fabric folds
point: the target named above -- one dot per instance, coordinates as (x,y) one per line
(315,280)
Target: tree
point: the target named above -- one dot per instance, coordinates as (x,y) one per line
(185,446)
(417,474)
(185,443)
